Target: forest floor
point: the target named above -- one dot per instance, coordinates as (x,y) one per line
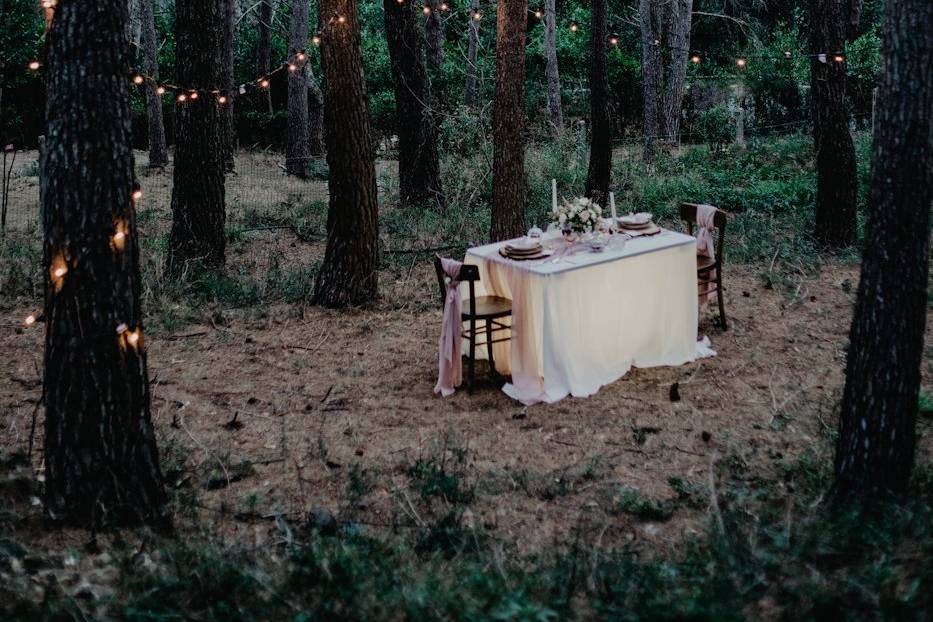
(265,408)
(269,411)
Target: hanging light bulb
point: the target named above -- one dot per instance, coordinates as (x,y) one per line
(137,192)
(839,58)
(30,320)
(34,65)
(477,15)
(138,79)
(134,338)
(193,96)
(695,59)
(264,83)
(302,56)
(222,100)
(292,67)
(538,14)
(341,19)
(426,10)
(57,271)
(160,90)
(613,39)
(182,98)
(574,26)
(316,39)
(741,62)
(444,6)
(118,239)
(49,4)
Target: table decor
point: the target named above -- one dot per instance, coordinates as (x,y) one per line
(578,216)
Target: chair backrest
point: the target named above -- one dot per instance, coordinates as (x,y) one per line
(688,213)
(468,274)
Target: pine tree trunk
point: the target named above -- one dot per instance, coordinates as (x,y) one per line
(158,151)
(877,436)
(600,168)
(101,461)
(315,116)
(508,164)
(434,34)
(836,182)
(348,275)
(198,193)
(264,46)
(469,93)
(650,74)
(555,114)
(679,16)
(298,139)
(227,88)
(418,168)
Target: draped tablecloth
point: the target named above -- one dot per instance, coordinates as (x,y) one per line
(585,320)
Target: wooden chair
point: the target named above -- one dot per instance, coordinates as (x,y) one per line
(486,309)
(705,265)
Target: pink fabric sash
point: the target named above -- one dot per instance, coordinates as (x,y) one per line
(705,247)
(449,365)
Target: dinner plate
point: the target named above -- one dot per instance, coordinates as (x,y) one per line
(641,219)
(524,244)
(544,252)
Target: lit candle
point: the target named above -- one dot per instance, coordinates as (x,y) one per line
(554,195)
(612,205)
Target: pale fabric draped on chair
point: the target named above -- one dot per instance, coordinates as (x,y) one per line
(706,215)
(449,364)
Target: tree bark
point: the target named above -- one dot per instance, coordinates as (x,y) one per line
(877,436)
(508,165)
(836,182)
(418,169)
(469,93)
(348,275)
(434,34)
(555,113)
(264,46)
(600,166)
(227,87)
(298,138)
(101,461)
(677,38)
(198,193)
(315,116)
(650,74)
(158,151)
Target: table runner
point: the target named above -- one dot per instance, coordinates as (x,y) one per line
(583,321)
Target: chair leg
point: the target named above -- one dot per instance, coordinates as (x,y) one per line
(472,362)
(722,305)
(492,362)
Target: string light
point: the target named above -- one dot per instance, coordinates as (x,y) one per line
(426,10)
(118,239)
(57,271)
(34,65)
(137,192)
(138,79)
(182,98)
(30,320)
(193,96)
(341,19)
(160,90)
(302,56)
(292,67)
(839,58)
(222,100)
(49,4)
(740,62)
(614,39)
(264,83)
(538,14)
(574,26)
(133,337)
(444,6)
(316,39)
(477,15)
(695,59)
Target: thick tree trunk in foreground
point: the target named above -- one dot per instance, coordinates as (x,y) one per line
(875,451)
(600,168)
(418,169)
(101,462)
(434,34)
(679,18)
(158,151)
(198,194)
(264,46)
(229,123)
(348,275)
(555,113)
(508,165)
(836,182)
(469,93)
(650,74)
(297,143)
(315,116)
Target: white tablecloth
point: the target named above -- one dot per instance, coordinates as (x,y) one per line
(585,320)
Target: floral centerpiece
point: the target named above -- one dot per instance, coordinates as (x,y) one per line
(581,215)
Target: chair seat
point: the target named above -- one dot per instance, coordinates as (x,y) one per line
(705,264)
(488,307)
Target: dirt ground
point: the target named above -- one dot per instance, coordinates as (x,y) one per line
(295,406)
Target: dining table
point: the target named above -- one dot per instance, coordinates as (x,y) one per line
(582,319)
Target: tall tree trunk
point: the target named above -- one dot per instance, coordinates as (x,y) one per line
(877,436)
(600,168)
(469,93)
(434,34)
(264,46)
(158,151)
(418,168)
(508,126)
(836,183)
(853,11)
(198,193)
(101,461)
(315,116)
(651,72)
(679,18)
(297,143)
(348,275)
(229,122)
(555,114)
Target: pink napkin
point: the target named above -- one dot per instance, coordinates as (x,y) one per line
(449,365)
(705,246)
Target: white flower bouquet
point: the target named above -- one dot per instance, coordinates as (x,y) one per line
(581,215)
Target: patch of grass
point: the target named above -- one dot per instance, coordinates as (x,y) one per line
(630,501)
(433,479)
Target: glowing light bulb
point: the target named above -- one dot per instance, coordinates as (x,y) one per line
(444,6)
(182,98)
(193,96)
(574,26)
(222,100)
(132,338)
(49,4)
(118,239)
(264,83)
(426,10)
(292,67)
(34,65)
(538,14)
(30,320)
(477,15)
(613,40)
(341,19)
(160,90)
(316,39)
(839,58)
(741,62)
(137,80)
(302,56)
(695,59)
(137,192)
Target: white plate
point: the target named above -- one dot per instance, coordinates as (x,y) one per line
(642,218)
(524,244)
